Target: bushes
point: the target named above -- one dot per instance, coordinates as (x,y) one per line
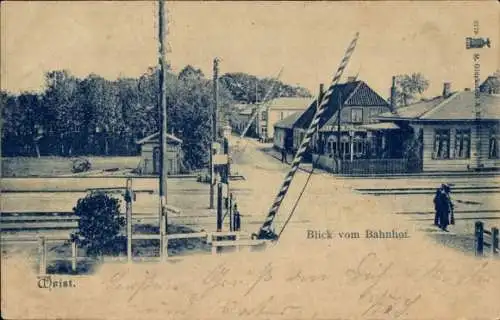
(81,165)
(99,224)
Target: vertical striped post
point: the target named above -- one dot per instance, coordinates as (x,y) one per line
(266,231)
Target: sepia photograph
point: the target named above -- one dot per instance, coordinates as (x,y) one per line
(216,160)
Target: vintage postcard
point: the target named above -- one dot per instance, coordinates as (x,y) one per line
(250,160)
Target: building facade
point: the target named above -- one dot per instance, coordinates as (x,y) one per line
(344,136)
(278,109)
(451,137)
(283,132)
(150,154)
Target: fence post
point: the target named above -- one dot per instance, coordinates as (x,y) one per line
(479,238)
(128,210)
(219,207)
(165,246)
(42,248)
(74,255)
(231,212)
(494,241)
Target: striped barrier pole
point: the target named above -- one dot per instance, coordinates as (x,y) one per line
(266,231)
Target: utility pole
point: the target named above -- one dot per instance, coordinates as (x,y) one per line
(163,128)
(338,126)
(215,129)
(216,100)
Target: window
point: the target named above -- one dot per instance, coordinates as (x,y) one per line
(356,115)
(493,145)
(282,115)
(358,146)
(345,148)
(462,144)
(442,144)
(331,146)
(372,112)
(264,132)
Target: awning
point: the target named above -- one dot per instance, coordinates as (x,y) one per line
(380,126)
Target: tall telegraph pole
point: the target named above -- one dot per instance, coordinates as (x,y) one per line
(163,126)
(215,129)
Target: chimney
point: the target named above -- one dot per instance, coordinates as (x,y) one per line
(446,89)
(321,91)
(351,79)
(393,94)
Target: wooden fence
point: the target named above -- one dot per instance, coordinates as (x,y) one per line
(485,238)
(366,166)
(240,239)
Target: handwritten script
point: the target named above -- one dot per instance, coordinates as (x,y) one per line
(270,292)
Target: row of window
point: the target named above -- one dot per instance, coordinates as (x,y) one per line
(357,114)
(345,149)
(462,143)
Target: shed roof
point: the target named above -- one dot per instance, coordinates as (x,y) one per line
(154,138)
(458,107)
(288,122)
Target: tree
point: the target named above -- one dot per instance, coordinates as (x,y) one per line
(250,89)
(63,118)
(99,225)
(408,87)
(190,72)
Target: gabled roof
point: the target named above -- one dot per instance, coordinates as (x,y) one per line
(288,122)
(155,137)
(459,106)
(355,93)
(491,84)
(297,103)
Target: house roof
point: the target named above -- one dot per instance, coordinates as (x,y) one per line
(355,93)
(380,126)
(154,137)
(491,83)
(297,103)
(459,106)
(288,122)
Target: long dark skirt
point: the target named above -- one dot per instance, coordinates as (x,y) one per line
(444,219)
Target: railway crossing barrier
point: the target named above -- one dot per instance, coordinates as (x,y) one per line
(491,240)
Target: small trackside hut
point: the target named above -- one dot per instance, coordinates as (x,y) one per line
(150,154)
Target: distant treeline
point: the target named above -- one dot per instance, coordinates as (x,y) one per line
(95,116)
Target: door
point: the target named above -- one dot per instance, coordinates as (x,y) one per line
(156,160)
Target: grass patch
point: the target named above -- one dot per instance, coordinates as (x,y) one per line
(54,166)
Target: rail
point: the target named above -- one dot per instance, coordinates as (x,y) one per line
(485,238)
(212,238)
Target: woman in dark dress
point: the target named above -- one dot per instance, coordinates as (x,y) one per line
(444,207)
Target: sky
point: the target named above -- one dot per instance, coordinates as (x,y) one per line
(307,39)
